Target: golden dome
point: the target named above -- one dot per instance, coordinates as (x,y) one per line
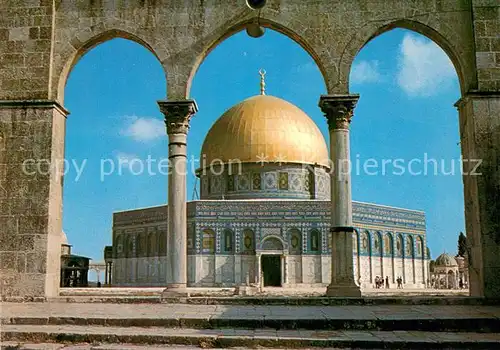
(265,128)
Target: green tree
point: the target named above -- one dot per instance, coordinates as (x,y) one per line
(462,244)
(432,263)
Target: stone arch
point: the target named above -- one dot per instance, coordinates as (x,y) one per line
(355,242)
(208,241)
(68,61)
(375,29)
(215,40)
(272,242)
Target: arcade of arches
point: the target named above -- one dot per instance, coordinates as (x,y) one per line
(41,42)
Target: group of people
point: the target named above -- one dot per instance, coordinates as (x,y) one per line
(380,281)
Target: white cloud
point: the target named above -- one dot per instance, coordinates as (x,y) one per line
(424,68)
(365,72)
(144,129)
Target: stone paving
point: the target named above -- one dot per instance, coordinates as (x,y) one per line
(210,338)
(267,291)
(53,346)
(128,311)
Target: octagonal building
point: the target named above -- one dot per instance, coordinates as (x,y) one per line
(264,213)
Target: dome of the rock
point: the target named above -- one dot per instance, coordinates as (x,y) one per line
(265,128)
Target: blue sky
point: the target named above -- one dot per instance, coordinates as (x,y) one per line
(407,86)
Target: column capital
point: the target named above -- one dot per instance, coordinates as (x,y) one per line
(338,109)
(178,114)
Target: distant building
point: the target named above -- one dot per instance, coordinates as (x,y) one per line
(449,272)
(108,260)
(270,218)
(74,268)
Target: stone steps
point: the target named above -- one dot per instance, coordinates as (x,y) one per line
(283,322)
(273,326)
(247,338)
(276,300)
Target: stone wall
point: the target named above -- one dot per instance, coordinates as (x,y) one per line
(139,272)
(41,40)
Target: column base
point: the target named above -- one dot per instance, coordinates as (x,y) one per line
(175,291)
(343,291)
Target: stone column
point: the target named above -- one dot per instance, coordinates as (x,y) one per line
(106,273)
(177,117)
(480,144)
(110,279)
(31,134)
(282,270)
(285,268)
(257,269)
(338,110)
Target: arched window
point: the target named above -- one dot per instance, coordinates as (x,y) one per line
(228,241)
(191,237)
(208,241)
(409,246)
(118,247)
(248,242)
(142,245)
(420,246)
(152,244)
(355,241)
(388,248)
(295,237)
(365,242)
(130,247)
(399,245)
(314,241)
(377,243)
(162,241)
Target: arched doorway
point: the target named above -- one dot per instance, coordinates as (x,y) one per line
(271,262)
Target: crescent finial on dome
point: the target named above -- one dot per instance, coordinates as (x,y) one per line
(262,73)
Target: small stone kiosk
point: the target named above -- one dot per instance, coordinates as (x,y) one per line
(446,272)
(74,268)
